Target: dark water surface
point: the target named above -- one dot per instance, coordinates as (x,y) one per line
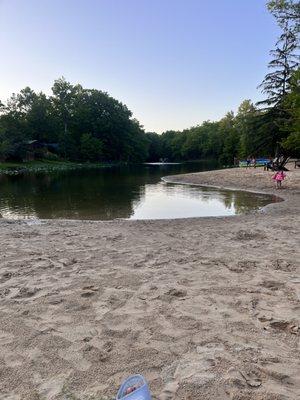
(134,192)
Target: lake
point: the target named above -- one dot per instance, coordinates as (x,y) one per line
(131,192)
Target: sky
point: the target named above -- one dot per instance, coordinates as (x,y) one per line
(174,63)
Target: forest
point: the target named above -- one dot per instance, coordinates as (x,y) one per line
(79,124)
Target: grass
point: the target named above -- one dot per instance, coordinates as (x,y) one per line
(15,168)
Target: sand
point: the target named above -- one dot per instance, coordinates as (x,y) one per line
(205,308)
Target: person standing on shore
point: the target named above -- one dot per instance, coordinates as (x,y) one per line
(279,177)
(248,162)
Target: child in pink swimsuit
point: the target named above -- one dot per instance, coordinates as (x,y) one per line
(279,177)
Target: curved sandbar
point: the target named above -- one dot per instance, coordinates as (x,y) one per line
(250,180)
(208,304)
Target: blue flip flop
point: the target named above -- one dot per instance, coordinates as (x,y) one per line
(140,393)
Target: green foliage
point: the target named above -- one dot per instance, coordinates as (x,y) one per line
(292,143)
(4,149)
(278,84)
(292,104)
(90,147)
(89,125)
(84,124)
(154,146)
(285,10)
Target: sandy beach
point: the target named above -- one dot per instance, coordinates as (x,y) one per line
(204,308)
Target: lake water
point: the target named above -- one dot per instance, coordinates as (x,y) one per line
(132,192)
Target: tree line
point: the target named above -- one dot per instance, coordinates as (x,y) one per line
(79,124)
(270,127)
(83,124)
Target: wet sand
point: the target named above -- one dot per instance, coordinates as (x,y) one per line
(205,308)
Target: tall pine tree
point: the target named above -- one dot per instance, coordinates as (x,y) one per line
(285,59)
(277,83)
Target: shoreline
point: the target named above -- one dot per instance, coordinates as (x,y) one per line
(202,307)
(288,194)
(168,179)
(18,168)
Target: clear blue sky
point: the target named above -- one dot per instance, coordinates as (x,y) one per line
(174,63)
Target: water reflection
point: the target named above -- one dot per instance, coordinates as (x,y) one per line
(127,192)
(181,201)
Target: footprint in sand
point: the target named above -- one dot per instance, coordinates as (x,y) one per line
(283,265)
(10,396)
(272,285)
(246,235)
(26,292)
(4,292)
(5,338)
(89,291)
(173,294)
(97,352)
(278,325)
(51,387)
(185,282)
(114,238)
(237,380)
(74,356)
(242,266)
(6,276)
(282,325)
(25,235)
(66,262)
(169,391)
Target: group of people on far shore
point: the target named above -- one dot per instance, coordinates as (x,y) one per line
(251,161)
(278,177)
